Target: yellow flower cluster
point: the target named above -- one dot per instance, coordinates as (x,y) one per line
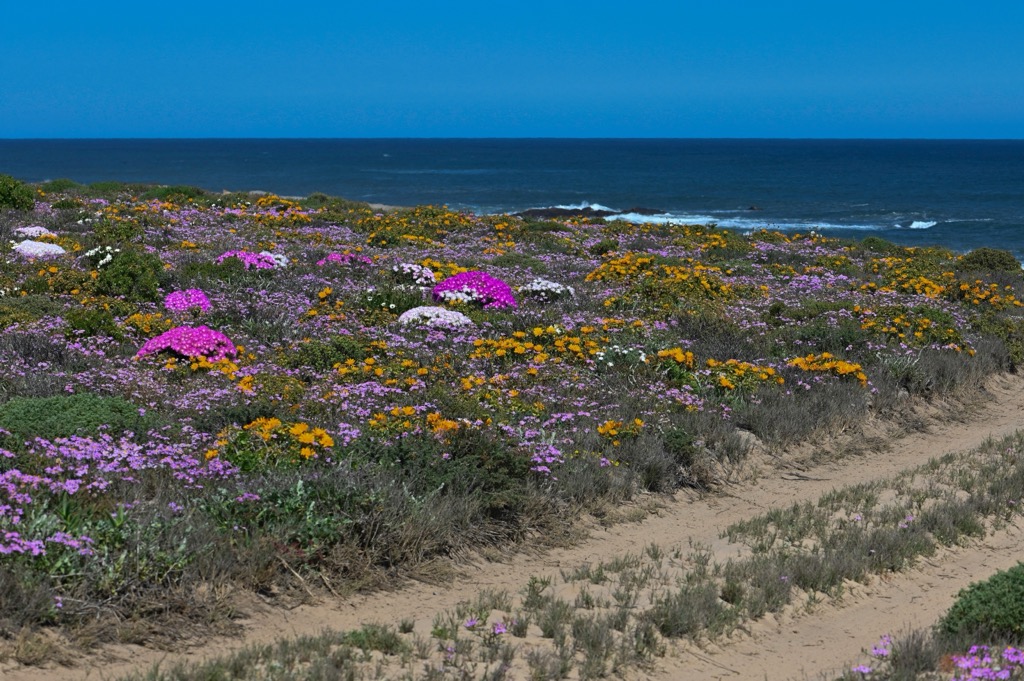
(910,275)
(732,374)
(979,293)
(678,355)
(613,430)
(626,266)
(826,363)
(224,366)
(328,305)
(274,210)
(443,270)
(395,372)
(406,419)
(148,324)
(425,224)
(268,441)
(540,345)
(907,327)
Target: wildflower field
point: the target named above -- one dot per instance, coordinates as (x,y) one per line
(205,395)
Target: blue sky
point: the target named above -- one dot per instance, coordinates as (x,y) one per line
(513,69)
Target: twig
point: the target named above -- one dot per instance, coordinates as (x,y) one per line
(328,585)
(297,576)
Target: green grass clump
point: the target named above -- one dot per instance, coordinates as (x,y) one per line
(992,608)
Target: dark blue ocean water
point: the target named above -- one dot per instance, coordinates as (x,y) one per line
(958,193)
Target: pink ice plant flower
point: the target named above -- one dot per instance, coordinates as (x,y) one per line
(191,341)
(475,287)
(345,259)
(183,301)
(258,261)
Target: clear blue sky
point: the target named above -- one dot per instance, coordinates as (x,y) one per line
(490,68)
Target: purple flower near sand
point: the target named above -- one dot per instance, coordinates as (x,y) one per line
(475,287)
(183,301)
(189,341)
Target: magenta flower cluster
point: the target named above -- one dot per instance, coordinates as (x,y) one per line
(475,286)
(191,341)
(258,261)
(183,301)
(345,259)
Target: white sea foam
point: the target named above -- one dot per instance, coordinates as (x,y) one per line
(736,222)
(583,205)
(921,224)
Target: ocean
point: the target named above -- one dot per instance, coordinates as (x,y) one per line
(962,194)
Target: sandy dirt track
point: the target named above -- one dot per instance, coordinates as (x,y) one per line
(797,644)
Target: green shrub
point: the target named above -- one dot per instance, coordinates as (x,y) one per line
(878,245)
(323,355)
(67,204)
(603,247)
(132,274)
(993,608)
(110,233)
(15,194)
(1010,330)
(176,193)
(66,415)
(90,322)
(988,259)
(61,184)
(28,308)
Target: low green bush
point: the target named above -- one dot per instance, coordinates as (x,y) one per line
(89,322)
(132,274)
(61,184)
(66,415)
(113,233)
(322,355)
(27,308)
(176,193)
(993,608)
(988,259)
(15,194)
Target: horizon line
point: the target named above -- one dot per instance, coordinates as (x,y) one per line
(522,138)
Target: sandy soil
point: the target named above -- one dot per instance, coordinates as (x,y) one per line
(797,644)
